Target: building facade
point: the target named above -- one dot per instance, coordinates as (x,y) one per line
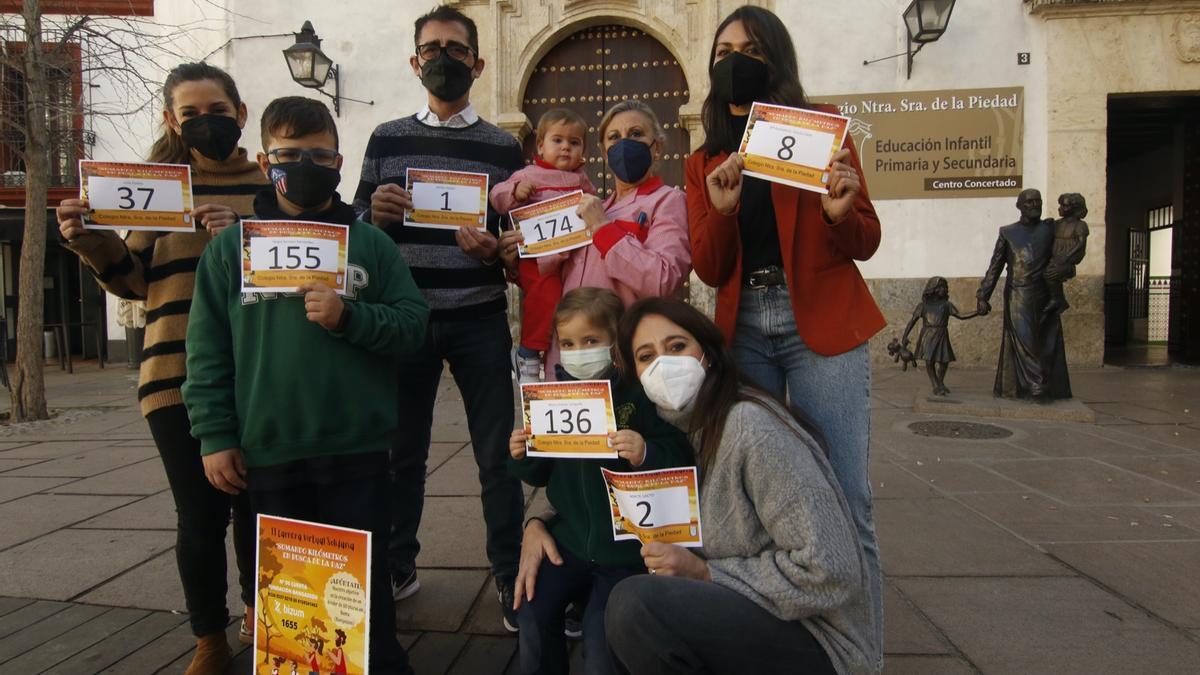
(1097,97)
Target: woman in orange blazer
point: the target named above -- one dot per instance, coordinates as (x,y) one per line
(790,298)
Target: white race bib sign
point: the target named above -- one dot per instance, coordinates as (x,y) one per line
(655,508)
(442,197)
(293,253)
(134,194)
(568,417)
(791,144)
(551,226)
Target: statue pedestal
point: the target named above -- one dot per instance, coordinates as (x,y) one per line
(972,404)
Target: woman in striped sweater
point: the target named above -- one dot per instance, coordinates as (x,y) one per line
(202,120)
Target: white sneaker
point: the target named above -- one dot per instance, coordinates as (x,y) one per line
(529,369)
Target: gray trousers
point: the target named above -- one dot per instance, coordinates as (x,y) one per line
(673,625)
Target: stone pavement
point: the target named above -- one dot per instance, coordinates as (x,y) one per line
(1059,548)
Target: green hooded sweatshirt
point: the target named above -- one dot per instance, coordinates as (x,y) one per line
(263,378)
(576,489)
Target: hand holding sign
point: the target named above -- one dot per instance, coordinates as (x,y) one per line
(670,560)
(844,185)
(136,196)
(553,226)
(655,506)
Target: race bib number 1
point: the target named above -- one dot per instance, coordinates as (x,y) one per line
(446,200)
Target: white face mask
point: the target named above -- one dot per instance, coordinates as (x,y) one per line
(672,382)
(586,364)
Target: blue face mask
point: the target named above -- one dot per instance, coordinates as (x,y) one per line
(629,160)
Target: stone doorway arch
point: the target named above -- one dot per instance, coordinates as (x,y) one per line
(593,69)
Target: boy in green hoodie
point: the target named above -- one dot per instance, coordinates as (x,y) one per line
(293,395)
(591,562)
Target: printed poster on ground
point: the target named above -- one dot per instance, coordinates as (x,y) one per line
(312,611)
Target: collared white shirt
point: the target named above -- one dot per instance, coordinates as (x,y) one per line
(463,118)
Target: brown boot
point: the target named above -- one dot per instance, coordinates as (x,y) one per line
(212,655)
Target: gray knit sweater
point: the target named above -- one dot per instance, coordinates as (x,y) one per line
(778,531)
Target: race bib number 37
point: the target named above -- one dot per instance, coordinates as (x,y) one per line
(132,196)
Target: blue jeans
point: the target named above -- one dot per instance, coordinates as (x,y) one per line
(478,351)
(543,647)
(834,391)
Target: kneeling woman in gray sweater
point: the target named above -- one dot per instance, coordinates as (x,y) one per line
(781,584)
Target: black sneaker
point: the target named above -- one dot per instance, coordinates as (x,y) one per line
(504,592)
(405,586)
(573,622)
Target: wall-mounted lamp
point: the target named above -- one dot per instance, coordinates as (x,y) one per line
(311,68)
(926,21)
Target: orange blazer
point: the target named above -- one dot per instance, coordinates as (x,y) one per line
(834,309)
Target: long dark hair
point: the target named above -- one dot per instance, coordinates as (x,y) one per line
(783,86)
(170,148)
(724,386)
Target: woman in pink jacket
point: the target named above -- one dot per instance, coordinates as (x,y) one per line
(639,233)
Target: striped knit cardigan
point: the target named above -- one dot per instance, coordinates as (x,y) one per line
(160,268)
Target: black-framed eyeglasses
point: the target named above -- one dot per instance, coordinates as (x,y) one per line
(432,50)
(319,156)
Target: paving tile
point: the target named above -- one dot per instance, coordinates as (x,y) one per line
(144,478)
(8,605)
(120,644)
(1087,481)
(911,446)
(1169,437)
(443,601)
(108,553)
(35,515)
(934,537)
(439,453)
(485,617)
(29,614)
(905,630)
(457,477)
(16,487)
(38,633)
(1182,471)
(1144,415)
(889,481)
(1043,520)
(926,665)
(1176,516)
(10,464)
(1075,442)
(1049,625)
(79,639)
(434,653)
(1160,576)
(156,512)
(485,655)
(959,476)
(452,533)
(54,449)
(88,463)
(150,657)
(155,585)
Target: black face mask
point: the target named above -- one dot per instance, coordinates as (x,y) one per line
(630,160)
(739,79)
(214,136)
(303,183)
(446,78)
